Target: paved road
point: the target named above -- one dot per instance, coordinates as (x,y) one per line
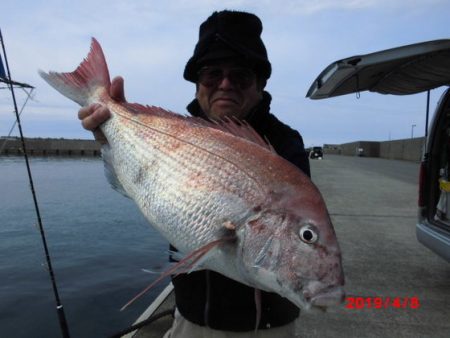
(373,205)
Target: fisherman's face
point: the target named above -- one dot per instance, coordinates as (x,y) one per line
(227,89)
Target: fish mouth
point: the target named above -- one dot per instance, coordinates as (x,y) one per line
(321,300)
(331,296)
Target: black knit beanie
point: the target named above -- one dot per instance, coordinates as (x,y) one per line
(230,34)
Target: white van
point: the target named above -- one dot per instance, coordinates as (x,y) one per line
(408,70)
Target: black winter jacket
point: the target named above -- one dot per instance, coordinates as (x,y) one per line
(209,299)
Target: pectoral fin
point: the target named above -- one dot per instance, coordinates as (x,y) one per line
(187,264)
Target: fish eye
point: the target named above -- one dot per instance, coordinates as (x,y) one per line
(308,234)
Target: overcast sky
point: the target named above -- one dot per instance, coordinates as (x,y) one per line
(148,43)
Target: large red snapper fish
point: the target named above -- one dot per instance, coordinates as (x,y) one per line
(217,192)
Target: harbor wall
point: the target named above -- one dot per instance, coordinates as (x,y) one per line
(361,148)
(405,149)
(49,147)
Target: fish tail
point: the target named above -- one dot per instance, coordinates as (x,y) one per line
(79,85)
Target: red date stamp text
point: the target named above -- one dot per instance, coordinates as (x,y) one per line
(358,303)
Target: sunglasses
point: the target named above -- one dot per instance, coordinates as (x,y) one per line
(212,76)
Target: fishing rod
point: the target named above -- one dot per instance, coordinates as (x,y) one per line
(59,306)
(15,121)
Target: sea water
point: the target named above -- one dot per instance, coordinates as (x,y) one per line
(99,242)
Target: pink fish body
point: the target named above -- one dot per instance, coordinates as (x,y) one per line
(198,184)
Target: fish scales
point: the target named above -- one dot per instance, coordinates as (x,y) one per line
(197,183)
(181,163)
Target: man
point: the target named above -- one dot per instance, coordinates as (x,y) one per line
(230,68)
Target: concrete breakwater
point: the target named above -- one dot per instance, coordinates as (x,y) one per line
(49,147)
(405,149)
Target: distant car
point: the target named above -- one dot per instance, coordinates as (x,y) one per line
(408,70)
(316,153)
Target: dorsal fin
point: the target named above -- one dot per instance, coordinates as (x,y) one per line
(239,128)
(229,125)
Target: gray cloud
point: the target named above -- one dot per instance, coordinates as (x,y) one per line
(148,42)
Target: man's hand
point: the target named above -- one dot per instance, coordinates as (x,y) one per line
(95,114)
